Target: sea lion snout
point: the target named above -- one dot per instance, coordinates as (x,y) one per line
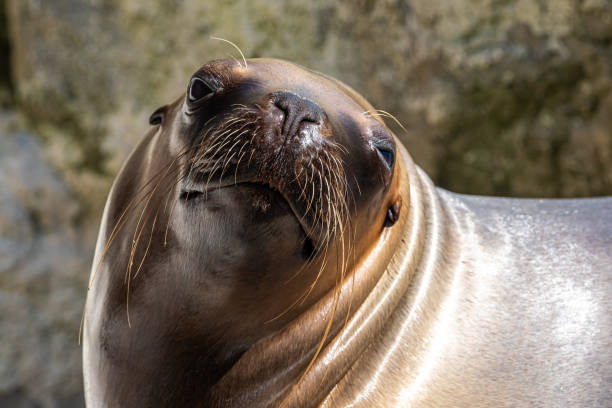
(297,113)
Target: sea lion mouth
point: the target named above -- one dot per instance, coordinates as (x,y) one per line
(194,191)
(304,167)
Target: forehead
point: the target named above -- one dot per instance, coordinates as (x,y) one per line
(270,75)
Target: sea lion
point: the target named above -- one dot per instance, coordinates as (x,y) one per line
(270,242)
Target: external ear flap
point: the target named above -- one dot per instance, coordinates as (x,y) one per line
(393,212)
(158,116)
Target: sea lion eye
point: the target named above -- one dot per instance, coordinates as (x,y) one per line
(393,212)
(386,155)
(199,89)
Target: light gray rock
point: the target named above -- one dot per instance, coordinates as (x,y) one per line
(43,272)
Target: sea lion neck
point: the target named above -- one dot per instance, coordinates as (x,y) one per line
(380,280)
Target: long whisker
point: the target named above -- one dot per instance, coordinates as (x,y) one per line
(139,196)
(235,46)
(380,112)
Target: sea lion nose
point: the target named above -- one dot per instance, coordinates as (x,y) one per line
(297,111)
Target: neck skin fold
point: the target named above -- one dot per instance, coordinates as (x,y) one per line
(273,371)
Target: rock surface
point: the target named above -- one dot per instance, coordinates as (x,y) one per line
(44,259)
(505,97)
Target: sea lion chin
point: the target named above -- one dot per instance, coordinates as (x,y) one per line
(271,243)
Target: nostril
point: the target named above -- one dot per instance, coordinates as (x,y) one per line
(282,115)
(297,110)
(311,116)
(282,106)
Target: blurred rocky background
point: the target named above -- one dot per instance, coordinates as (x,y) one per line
(502,97)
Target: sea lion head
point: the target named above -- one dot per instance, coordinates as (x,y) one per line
(249,200)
